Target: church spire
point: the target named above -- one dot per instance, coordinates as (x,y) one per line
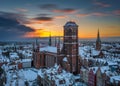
(59,40)
(98,36)
(55,41)
(58,44)
(58,51)
(49,43)
(98,41)
(37,45)
(36,41)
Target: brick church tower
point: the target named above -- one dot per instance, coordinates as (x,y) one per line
(36,55)
(98,42)
(70,46)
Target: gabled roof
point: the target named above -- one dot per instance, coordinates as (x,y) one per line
(49,49)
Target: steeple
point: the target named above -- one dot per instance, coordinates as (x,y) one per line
(49,43)
(55,41)
(33,46)
(58,44)
(15,47)
(36,54)
(36,41)
(36,45)
(58,51)
(59,40)
(98,41)
(98,37)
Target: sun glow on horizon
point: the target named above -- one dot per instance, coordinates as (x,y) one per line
(85,29)
(57,31)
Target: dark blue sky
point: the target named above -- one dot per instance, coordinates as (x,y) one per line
(32,18)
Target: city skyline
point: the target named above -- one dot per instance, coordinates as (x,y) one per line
(30,18)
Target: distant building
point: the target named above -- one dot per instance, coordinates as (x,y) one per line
(98,42)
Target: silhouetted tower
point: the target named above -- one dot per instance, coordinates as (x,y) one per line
(36,54)
(36,45)
(98,41)
(55,42)
(15,48)
(58,44)
(58,51)
(50,43)
(70,45)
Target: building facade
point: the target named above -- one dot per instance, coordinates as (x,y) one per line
(70,46)
(91,78)
(36,55)
(69,50)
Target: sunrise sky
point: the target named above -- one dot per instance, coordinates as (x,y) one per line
(39,18)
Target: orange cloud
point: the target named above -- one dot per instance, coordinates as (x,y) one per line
(60,17)
(37,33)
(92,14)
(37,23)
(82,15)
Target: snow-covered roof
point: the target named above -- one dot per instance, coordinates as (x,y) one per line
(65,76)
(95,52)
(112,63)
(103,69)
(88,51)
(29,75)
(26,60)
(65,59)
(27,53)
(94,69)
(49,49)
(14,55)
(81,52)
(52,74)
(14,76)
(21,82)
(4,59)
(115,78)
